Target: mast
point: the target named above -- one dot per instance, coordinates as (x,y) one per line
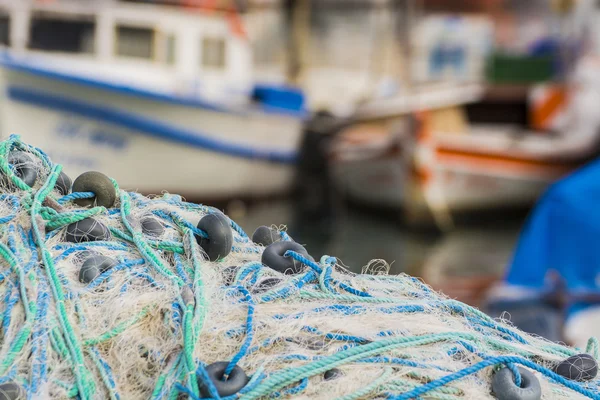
(297,18)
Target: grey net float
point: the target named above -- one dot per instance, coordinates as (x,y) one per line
(23,167)
(63,184)
(97,183)
(87,230)
(220,237)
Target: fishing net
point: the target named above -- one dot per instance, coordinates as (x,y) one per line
(154,317)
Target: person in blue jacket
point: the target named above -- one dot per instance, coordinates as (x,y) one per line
(558,255)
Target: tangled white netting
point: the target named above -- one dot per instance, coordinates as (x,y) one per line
(151,324)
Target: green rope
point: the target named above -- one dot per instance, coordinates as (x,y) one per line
(592,347)
(69,218)
(201,305)
(373,386)
(120,328)
(5,167)
(58,343)
(189,344)
(83,376)
(30,310)
(162,245)
(286,377)
(105,379)
(162,379)
(146,251)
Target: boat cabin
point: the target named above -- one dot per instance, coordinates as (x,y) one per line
(173,49)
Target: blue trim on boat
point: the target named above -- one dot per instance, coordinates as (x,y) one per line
(279,97)
(7,61)
(144,125)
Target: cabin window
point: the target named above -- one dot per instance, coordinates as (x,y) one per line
(66,34)
(170,50)
(4,30)
(135,42)
(213,52)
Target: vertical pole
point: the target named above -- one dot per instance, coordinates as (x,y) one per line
(297,17)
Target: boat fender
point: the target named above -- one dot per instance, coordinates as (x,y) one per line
(332,374)
(94,266)
(87,230)
(264,235)
(274,257)
(152,227)
(504,387)
(11,391)
(63,184)
(220,237)
(580,367)
(266,284)
(24,167)
(100,185)
(235,382)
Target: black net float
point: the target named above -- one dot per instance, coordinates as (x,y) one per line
(505,388)
(313,343)
(332,374)
(580,367)
(100,185)
(273,257)
(266,284)
(95,265)
(24,167)
(87,230)
(63,184)
(220,236)
(235,382)
(152,226)
(11,391)
(264,235)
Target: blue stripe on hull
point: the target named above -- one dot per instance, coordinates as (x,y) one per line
(8,62)
(145,125)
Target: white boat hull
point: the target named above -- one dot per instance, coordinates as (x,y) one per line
(462,189)
(150,144)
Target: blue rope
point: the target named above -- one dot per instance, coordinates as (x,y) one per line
(107,274)
(76,196)
(207,382)
(299,388)
(249,330)
(40,339)
(515,372)
(15,204)
(318,270)
(415,393)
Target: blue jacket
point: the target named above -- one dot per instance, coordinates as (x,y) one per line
(562,236)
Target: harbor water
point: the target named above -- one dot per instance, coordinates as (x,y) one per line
(478,249)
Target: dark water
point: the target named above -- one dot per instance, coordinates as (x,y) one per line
(357,236)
